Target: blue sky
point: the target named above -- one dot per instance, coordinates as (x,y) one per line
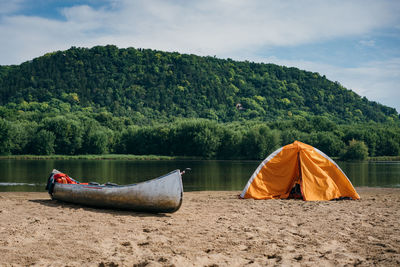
(354,42)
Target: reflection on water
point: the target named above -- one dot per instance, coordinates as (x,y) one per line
(374,174)
(31,175)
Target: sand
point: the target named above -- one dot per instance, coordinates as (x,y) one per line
(210,229)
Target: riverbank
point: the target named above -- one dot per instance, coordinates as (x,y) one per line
(91,157)
(141,157)
(211,229)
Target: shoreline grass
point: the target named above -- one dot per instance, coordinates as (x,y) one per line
(143,157)
(384,158)
(91,157)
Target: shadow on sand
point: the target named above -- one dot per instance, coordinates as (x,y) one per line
(64,205)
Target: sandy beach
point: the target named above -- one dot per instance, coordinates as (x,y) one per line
(211,229)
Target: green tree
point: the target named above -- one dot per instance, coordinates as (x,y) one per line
(196,138)
(21,134)
(356,150)
(327,142)
(127,141)
(43,143)
(389,147)
(68,133)
(230,144)
(4,137)
(147,140)
(97,141)
(259,141)
(291,135)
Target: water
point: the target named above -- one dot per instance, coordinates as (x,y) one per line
(31,175)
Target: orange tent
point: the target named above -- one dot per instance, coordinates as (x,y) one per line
(319,177)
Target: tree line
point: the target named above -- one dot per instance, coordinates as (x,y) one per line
(84,132)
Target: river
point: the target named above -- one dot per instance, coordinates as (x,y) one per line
(31,175)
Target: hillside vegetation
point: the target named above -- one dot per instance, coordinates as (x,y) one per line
(135,101)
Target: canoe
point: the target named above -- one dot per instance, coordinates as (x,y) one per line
(162,194)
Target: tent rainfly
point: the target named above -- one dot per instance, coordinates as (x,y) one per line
(299,165)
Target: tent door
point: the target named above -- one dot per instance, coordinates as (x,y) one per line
(297,192)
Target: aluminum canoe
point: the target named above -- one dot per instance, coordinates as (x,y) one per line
(162,194)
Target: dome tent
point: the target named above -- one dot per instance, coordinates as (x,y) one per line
(319,177)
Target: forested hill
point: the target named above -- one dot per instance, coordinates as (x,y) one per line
(158,85)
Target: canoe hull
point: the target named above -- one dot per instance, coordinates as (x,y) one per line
(163,194)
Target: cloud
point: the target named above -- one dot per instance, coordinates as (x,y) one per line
(223,27)
(209,27)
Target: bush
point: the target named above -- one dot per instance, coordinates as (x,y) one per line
(97,142)
(4,137)
(147,140)
(356,150)
(230,144)
(291,135)
(259,142)
(68,133)
(127,143)
(389,147)
(327,142)
(43,143)
(21,134)
(196,138)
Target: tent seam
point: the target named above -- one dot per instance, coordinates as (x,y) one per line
(271,156)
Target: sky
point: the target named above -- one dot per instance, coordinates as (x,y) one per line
(353,42)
